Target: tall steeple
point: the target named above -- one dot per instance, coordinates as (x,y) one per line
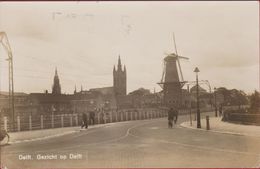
(119,66)
(56,88)
(119,79)
(56,72)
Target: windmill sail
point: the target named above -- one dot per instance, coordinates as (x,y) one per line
(178,61)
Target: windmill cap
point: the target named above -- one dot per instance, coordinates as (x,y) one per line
(171,57)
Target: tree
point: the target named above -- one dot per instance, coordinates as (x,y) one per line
(255,102)
(238,97)
(233,97)
(225,93)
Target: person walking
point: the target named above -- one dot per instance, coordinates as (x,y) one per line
(84,121)
(220,110)
(170,117)
(175,115)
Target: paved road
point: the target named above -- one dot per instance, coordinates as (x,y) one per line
(142,143)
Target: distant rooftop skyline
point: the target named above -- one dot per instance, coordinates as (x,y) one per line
(84,39)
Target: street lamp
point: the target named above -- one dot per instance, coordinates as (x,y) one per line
(215,96)
(198,103)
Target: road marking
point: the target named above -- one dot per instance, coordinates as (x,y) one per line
(105,141)
(41,138)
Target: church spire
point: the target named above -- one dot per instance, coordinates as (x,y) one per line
(119,66)
(56,72)
(56,88)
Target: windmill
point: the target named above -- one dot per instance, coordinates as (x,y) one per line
(171,82)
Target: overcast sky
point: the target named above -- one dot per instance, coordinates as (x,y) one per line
(83,40)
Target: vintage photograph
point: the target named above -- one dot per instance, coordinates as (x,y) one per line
(129,84)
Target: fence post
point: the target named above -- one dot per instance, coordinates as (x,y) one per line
(62,121)
(18,124)
(207,123)
(71,122)
(105,118)
(41,121)
(111,117)
(116,116)
(127,116)
(5,123)
(52,121)
(76,119)
(30,122)
(131,115)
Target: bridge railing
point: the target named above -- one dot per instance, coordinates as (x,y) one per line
(48,121)
(37,122)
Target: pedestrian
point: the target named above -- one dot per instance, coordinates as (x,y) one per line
(84,121)
(3,134)
(175,115)
(220,110)
(170,117)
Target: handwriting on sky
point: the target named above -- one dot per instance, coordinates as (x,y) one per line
(91,20)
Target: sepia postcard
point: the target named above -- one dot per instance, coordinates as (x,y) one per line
(129,84)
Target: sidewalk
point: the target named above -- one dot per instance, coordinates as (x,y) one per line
(24,136)
(216,125)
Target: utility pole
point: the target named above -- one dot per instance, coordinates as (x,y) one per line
(4,41)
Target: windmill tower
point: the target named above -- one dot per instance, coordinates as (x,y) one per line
(171,82)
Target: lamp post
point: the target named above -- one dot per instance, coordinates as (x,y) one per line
(215,96)
(198,102)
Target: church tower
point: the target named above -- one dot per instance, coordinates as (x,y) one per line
(56,89)
(119,79)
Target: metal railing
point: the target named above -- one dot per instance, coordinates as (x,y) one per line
(37,122)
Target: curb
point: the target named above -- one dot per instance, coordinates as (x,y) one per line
(76,130)
(183,124)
